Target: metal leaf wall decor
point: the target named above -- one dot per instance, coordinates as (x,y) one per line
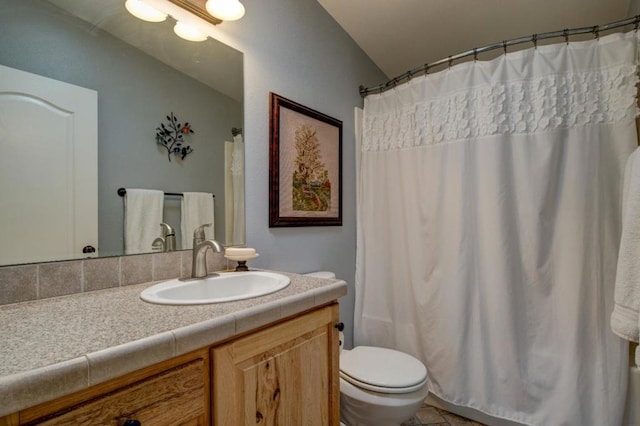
(172,137)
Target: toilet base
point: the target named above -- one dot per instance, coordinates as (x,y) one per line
(347,420)
(359,407)
(370,424)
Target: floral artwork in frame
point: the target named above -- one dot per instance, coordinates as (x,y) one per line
(305,166)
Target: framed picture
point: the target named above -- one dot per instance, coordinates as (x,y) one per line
(305,166)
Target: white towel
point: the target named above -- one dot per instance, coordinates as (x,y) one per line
(625,318)
(142,218)
(197,209)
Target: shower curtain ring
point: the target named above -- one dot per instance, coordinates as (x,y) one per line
(450,61)
(534,38)
(565,34)
(596,32)
(475,55)
(504,46)
(636,22)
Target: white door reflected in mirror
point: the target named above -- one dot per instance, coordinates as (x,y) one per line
(49,134)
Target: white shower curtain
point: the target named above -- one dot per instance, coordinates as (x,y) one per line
(488,226)
(234,191)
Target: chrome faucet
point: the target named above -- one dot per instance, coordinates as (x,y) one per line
(168,240)
(158,244)
(200,246)
(169,237)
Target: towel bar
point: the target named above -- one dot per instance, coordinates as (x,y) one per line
(122,192)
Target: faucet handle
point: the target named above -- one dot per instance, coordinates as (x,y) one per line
(158,244)
(198,234)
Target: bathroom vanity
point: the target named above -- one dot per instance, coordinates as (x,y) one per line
(267,360)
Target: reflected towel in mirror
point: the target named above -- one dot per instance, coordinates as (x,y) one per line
(197,209)
(142,218)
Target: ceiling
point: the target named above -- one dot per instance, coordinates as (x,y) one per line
(399,35)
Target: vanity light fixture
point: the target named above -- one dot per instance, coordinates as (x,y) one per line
(144,11)
(211,11)
(225,10)
(188,32)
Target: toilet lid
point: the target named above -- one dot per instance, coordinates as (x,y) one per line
(382,368)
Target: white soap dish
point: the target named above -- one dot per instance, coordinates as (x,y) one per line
(241,257)
(242,260)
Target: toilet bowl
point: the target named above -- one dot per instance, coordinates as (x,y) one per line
(378,386)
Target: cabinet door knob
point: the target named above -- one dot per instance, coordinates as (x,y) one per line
(132,423)
(339,326)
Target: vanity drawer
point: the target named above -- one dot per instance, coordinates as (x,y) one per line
(174,397)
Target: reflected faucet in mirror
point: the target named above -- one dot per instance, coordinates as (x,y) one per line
(200,247)
(167,242)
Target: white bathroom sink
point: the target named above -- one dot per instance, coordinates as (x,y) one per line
(222,287)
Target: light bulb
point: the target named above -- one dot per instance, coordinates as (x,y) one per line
(143,11)
(187,32)
(226,10)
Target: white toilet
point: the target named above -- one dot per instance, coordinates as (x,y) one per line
(378,386)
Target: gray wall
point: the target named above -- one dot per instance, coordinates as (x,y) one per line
(135,93)
(634,8)
(295,49)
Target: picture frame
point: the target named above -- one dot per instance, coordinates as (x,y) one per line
(305,166)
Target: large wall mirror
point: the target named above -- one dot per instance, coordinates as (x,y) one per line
(140,73)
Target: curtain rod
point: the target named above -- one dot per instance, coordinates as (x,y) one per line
(424,69)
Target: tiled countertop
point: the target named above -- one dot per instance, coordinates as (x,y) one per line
(53,347)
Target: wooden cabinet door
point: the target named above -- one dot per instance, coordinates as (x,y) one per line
(174,397)
(284,375)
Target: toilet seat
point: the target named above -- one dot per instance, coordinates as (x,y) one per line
(382,389)
(382,370)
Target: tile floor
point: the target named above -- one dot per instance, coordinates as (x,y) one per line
(432,416)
